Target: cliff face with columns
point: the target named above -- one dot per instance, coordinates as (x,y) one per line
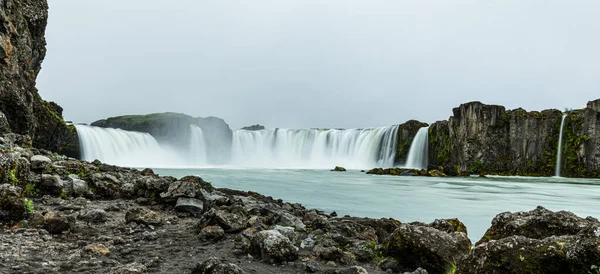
(488,139)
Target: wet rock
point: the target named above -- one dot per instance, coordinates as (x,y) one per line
(214,266)
(191,205)
(143,215)
(537,224)
(273,247)
(40,162)
(335,254)
(96,249)
(338,168)
(416,246)
(10,190)
(435,173)
(211,233)
(93,215)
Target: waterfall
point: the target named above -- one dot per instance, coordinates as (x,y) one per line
(559,149)
(124,148)
(418,153)
(198,146)
(315,148)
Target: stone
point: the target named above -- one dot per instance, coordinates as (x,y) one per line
(191,205)
(287,231)
(214,266)
(179,189)
(93,215)
(233,219)
(537,224)
(40,162)
(418,245)
(143,215)
(311,266)
(338,168)
(78,187)
(56,224)
(273,247)
(96,249)
(52,183)
(132,268)
(211,233)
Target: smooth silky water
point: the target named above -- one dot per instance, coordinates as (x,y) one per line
(475,201)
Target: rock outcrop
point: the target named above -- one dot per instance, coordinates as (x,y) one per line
(487,139)
(22,50)
(174,129)
(406,134)
(254,127)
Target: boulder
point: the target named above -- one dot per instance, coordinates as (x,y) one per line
(214,266)
(93,215)
(40,162)
(179,189)
(232,219)
(143,215)
(338,168)
(211,233)
(416,246)
(537,224)
(273,247)
(52,183)
(519,254)
(56,224)
(78,187)
(191,205)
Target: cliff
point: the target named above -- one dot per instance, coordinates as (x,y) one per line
(174,129)
(406,134)
(488,139)
(22,50)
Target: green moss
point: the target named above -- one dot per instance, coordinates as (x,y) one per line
(31,190)
(439,141)
(29,205)
(12,176)
(574,140)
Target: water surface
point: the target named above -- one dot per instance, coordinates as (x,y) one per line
(475,201)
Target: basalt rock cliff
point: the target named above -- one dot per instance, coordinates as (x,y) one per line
(488,139)
(22,50)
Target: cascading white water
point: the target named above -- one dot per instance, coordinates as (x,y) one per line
(559,149)
(197,146)
(419,151)
(124,148)
(315,148)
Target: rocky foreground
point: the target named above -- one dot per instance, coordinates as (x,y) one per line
(60,214)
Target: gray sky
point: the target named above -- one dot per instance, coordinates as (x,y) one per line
(318,63)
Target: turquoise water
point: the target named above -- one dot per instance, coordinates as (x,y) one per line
(475,201)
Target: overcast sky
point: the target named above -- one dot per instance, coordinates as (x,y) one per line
(318,63)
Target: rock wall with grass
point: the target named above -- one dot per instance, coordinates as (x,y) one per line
(488,139)
(22,50)
(406,134)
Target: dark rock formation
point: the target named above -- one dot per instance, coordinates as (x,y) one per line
(406,134)
(487,139)
(338,168)
(174,129)
(254,127)
(538,241)
(22,50)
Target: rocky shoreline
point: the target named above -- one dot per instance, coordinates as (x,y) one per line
(60,214)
